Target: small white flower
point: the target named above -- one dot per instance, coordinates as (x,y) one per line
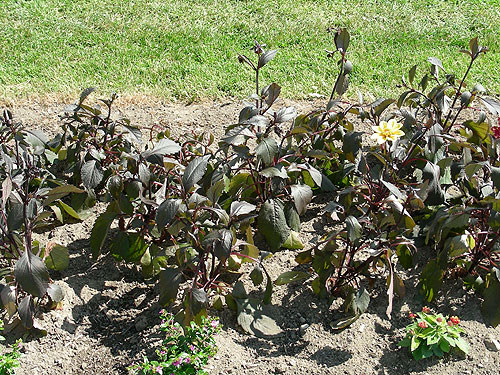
(387,131)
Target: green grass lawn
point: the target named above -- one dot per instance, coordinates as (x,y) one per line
(181,49)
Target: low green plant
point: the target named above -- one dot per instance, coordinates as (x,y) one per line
(30,194)
(9,361)
(183,351)
(433,334)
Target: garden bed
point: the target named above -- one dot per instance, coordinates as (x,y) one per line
(109,316)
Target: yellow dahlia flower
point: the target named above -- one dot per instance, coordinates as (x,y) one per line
(387,131)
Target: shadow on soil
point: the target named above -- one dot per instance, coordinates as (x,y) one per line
(116,305)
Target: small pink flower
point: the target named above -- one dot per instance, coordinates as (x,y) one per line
(187,360)
(177,363)
(192,347)
(422,325)
(412,315)
(425,309)
(159,370)
(438,319)
(214,323)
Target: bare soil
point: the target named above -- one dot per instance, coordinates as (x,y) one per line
(109,317)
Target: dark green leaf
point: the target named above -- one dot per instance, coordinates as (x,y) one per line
(411,74)
(286,114)
(164,147)
(91,174)
(480,132)
(473,46)
(31,274)
(68,209)
(342,323)
(276,171)
(293,242)
(265,57)
(56,257)
(100,232)
(394,190)
(256,275)
(495,177)
(304,257)
(404,256)
(492,105)
(342,39)
(129,246)
(169,281)
(55,293)
(27,311)
(60,192)
(271,93)
(431,279)
(380,105)
(198,300)
(194,172)
(302,195)
(434,192)
(292,217)
(272,223)
(214,192)
(15,216)
(241,208)
(320,179)
(435,61)
(354,229)
(223,244)
(166,212)
(491,303)
(266,150)
(351,145)
(444,345)
(342,84)
(290,277)
(360,303)
(85,93)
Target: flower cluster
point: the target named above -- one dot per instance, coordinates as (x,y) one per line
(182,352)
(432,334)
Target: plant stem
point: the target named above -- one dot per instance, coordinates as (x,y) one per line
(446,127)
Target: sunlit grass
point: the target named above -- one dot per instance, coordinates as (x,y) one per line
(187,49)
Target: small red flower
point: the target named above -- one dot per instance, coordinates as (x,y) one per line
(425,309)
(412,315)
(422,325)
(450,323)
(439,320)
(495,131)
(455,320)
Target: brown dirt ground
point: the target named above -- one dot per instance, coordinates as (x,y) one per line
(109,316)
